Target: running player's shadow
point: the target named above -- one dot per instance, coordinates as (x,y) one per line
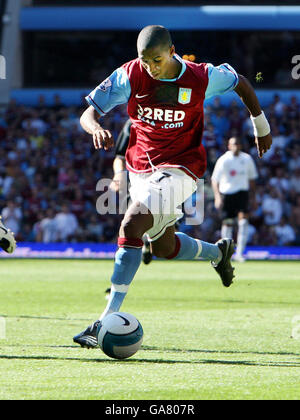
(169,350)
(154,361)
(261,353)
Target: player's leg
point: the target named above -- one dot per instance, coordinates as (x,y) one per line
(147,257)
(7,240)
(136,222)
(242,236)
(179,246)
(242,207)
(227,228)
(129,254)
(228,216)
(121,147)
(147,254)
(167,244)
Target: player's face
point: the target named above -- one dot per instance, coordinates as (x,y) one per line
(158,62)
(234,145)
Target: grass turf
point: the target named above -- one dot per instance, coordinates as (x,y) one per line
(202,341)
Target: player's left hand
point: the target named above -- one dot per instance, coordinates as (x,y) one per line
(263,144)
(119,182)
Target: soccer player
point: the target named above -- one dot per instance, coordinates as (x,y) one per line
(120,178)
(165,157)
(7,240)
(233,178)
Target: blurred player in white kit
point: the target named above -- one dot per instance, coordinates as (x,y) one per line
(233,180)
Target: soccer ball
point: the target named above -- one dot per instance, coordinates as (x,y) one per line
(120,335)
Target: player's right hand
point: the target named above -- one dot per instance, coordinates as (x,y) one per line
(218,203)
(102,139)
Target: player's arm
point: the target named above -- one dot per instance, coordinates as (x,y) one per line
(113,91)
(223,79)
(119,164)
(215,183)
(218,197)
(89,122)
(120,174)
(252,190)
(263,138)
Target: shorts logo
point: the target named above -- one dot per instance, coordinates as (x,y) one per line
(184,96)
(105,84)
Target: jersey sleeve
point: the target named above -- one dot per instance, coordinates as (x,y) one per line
(217,172)
(252,171)
(221,79)
(113,91)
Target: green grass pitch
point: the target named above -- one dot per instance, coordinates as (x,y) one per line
(202,341)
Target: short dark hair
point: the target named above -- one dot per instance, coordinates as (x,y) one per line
(152,36)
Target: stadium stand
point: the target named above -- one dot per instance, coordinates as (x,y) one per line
(49,171)
(49,168)
(248,51)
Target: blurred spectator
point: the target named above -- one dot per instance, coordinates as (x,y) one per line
(295,181)
(220,122)
(37,231)
(279,140)
(281,180)
(27,234)
(279,106)
(66,224)
(294,161)
(35,123)
(77,205)
(216,105)
(95,230)
(12,216)
(48,227)
(295,219)
(110,230)
(293,108)
(210,137)
(235,121)
(272,207)
(285,233)
(269,236)
(275,156)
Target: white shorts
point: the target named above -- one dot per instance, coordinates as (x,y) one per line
(163,192)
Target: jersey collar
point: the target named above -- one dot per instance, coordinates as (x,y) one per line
(183,68)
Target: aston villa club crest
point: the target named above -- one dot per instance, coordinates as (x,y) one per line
(184,96)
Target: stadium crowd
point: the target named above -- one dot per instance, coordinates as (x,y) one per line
(49,171)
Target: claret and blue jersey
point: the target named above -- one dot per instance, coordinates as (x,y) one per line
(116,90)
(166,114)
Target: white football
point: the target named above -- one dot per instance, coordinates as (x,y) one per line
(120,335)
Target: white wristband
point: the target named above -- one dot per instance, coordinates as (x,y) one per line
(260,125)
